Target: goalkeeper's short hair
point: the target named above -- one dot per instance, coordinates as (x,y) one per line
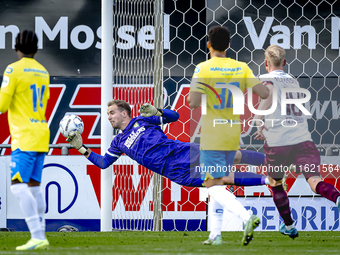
(122,106)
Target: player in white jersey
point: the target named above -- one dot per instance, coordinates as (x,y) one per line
(278,133)
(288,140)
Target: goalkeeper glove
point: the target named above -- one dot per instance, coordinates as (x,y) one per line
(76,141)
(148,110)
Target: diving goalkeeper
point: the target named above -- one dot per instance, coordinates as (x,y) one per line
(143,140)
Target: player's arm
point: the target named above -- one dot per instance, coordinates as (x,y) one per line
(148,110)
(7,89)
(264,105)
(194,99)
(100,161)
(261,90)
(5,101)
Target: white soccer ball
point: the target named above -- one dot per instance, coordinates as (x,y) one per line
(71,123)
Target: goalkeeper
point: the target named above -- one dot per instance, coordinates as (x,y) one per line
(143,140)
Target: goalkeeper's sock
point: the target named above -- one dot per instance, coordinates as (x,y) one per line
(282,204)
(28,206)
(327,191)
(39,198)
(249,179)
(229,202)
(215,214)
(252,158)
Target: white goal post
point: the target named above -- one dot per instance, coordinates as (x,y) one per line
(159,103)
(106,133)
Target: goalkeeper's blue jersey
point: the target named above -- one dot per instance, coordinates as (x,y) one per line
(145,142)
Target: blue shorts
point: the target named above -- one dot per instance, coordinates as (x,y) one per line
(215,164)
(26,165)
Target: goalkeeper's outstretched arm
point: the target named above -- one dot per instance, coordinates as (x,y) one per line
(169,116)
(98,160)
(102,161)
(148,110)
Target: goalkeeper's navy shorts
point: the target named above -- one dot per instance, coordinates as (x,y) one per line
(26,165)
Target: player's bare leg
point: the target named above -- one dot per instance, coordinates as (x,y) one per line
(313,182)
(238,157)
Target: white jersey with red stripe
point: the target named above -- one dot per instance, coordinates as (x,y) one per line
(291,128)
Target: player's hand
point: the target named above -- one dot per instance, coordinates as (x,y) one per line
(148,110)
(75,140)
(259,134)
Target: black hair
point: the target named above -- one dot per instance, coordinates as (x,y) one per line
(219,38)
(26,42)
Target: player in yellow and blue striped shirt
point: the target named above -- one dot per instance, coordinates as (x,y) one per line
(213,81)
(24,92)
(219,104)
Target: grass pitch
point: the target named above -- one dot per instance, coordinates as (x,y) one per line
(175,243)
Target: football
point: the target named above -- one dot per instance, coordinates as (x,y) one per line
(71,123)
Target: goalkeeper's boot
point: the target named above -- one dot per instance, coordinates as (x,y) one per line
(249,227)
(214,241)
(291,233)
(34,244)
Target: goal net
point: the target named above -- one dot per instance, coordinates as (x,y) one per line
(308,30)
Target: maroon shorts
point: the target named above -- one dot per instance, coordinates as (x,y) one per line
(305,156)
